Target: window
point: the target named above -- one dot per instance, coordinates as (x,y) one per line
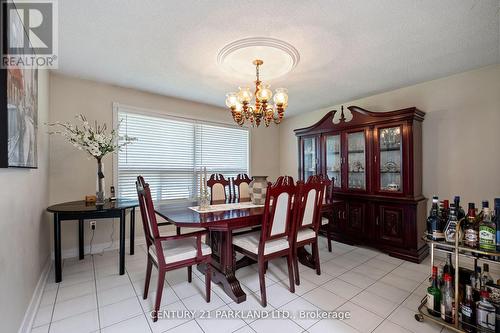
(169,152)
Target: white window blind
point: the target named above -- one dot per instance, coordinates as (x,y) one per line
(169,152)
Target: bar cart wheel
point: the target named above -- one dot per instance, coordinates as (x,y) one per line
(419,317)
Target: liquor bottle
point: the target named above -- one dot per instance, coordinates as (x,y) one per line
(444,211)
(471,232)
(497,222)
(448,267)
(448,301)
(487,232)
(434,226)
(484,204)
(468,311)
(434,295)
(485,314)
(486,277)
(459,210)
(450,231)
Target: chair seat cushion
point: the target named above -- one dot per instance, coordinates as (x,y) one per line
(305,234)
(324,221)
(176,250)
(250,242)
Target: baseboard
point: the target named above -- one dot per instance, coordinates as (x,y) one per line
(30,313)
(98,248)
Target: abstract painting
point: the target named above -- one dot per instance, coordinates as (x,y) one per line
(19,108)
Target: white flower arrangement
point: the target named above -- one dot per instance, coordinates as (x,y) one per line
(92,139)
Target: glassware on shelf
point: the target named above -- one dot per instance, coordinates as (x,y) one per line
(333,159)
(309,157)
(356,159)
(390,159)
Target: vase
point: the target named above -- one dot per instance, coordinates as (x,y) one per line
(99,192)
(258,190)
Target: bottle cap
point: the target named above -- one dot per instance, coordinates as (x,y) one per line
(435,199)
(457,198)
(485,203)
(484,294)
(447,277)
(472,205)
(446,204)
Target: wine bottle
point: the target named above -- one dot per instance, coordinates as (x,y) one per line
(459,210)
(434,226)
(471,232)
(448,301)
(468,310)
(450,231)
(487,231)
(434,295)
(497,222)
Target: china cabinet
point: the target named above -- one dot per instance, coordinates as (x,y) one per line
(375,162)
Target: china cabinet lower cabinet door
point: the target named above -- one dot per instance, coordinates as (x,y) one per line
(355,219)
(339,216)
(390,222)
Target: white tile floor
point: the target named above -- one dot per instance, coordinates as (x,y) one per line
(381,292)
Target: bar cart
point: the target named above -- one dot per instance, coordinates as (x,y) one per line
(458,250)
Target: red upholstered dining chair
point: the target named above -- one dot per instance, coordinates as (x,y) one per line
(218,184)
(275,239)
(241,189)
(327,218)
(169,252)
(307,213)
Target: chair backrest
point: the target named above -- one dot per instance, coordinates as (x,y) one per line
(218,184)
(308,203)
(148,215)
(328,193)
(277,219)
(242,187)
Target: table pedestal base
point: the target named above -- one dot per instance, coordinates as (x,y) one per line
(305,258)
(228,282)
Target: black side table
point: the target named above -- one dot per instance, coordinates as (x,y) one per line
(80,210)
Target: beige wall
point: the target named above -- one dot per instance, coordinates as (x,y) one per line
(24,227)
(72,174)
(461,132)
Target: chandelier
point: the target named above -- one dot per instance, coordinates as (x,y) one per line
(261,109)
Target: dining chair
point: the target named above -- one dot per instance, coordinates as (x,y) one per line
(241,185)
(218,185)
(275,239)
(307,205)
(327,217)
(167,253)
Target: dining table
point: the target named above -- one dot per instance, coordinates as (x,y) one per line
(221,220)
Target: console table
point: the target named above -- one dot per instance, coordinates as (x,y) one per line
(80,211)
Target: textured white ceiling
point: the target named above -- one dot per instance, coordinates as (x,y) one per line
(348,48)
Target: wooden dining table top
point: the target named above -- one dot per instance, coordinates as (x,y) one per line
(181,215)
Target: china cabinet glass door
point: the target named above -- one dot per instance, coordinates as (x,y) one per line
(310,157)
(356,158)
(390,159)
(334,159)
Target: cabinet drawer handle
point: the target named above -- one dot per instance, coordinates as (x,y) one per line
(376,220)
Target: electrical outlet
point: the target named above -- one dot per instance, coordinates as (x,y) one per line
(92,225)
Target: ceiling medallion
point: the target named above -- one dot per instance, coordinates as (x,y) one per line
(238,58)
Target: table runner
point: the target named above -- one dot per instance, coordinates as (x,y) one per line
(223,207)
